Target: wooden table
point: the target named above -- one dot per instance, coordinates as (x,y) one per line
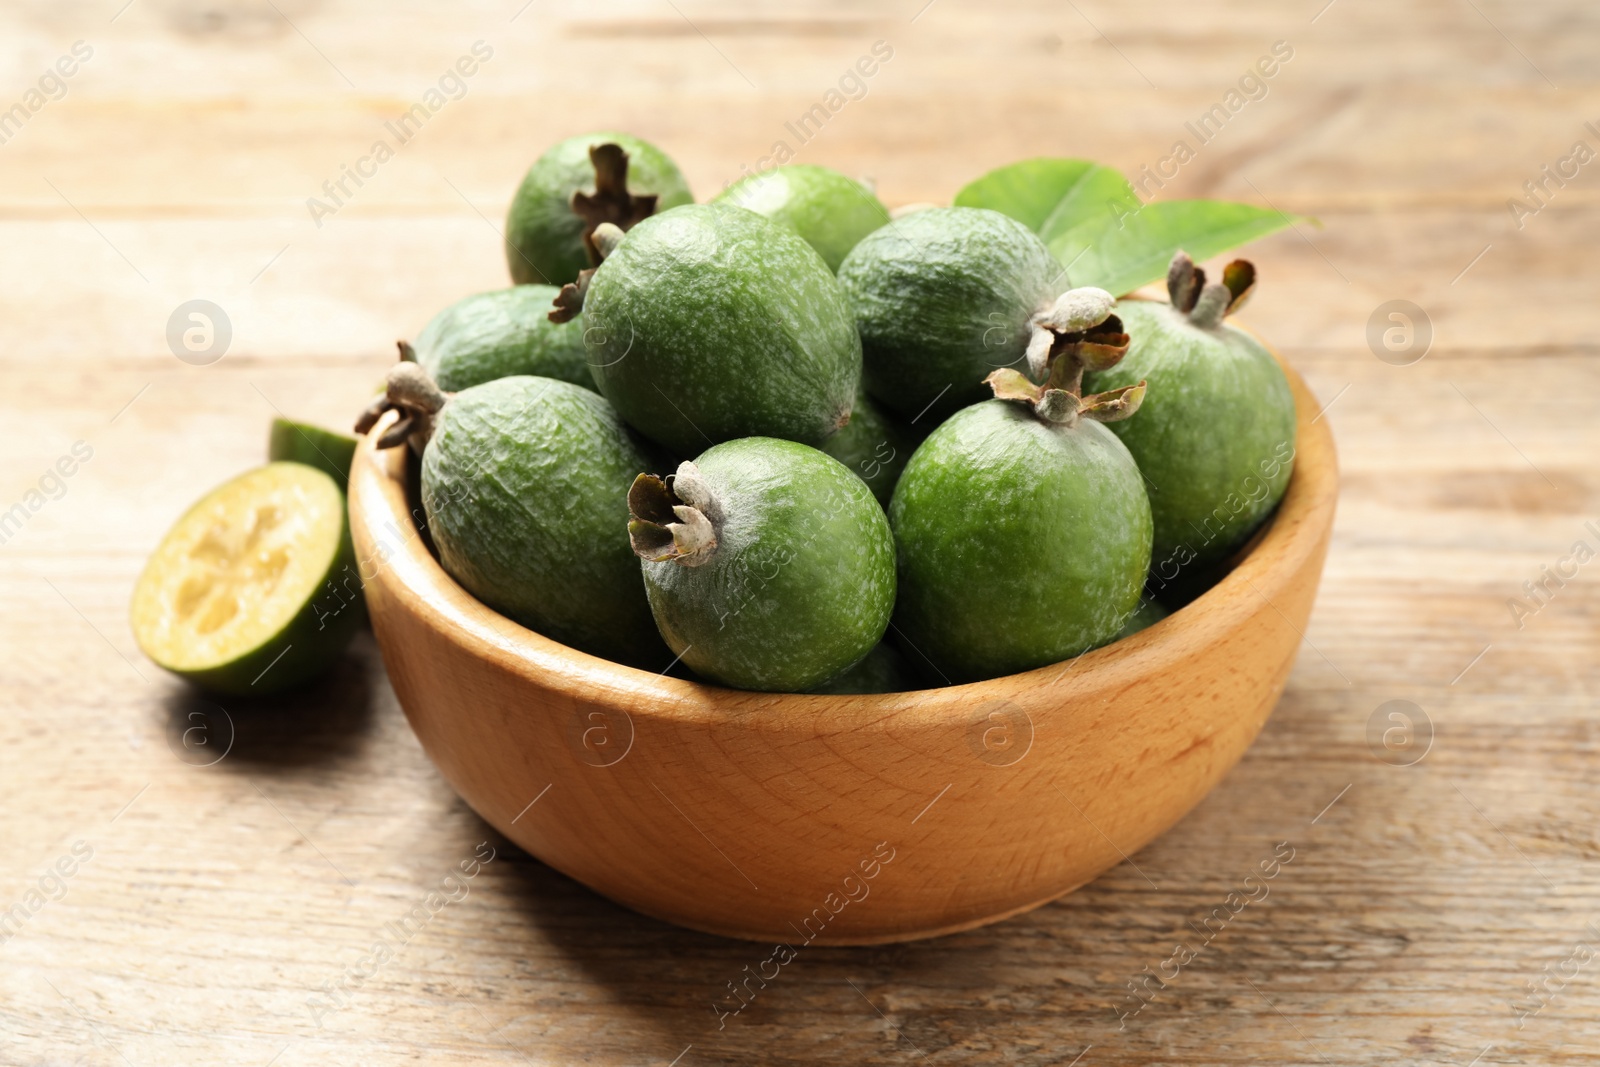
(210,907)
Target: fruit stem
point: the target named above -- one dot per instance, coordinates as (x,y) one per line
(411,392)
(653,505)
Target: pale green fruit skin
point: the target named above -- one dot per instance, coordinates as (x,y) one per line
(525,485)
(499,334)
(544,238)
(942,298)
(802,582)
(884,670)
(874,446)
(832,212)
(710,322)
(1020,543)
(1215,436)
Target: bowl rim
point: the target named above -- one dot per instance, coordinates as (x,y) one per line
(382,514)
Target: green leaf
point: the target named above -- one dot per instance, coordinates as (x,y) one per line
(1134,250)
(1049,196)
(1098,228)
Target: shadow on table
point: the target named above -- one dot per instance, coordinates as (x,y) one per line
(317,724)
(667,987)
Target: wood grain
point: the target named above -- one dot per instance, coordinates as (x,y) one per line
(1417,908)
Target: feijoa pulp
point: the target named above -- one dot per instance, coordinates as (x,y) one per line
(254,590)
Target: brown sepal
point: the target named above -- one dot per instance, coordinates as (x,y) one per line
(569,301)
(663,528)
(611,201)
(1240,278)
(1184,281)
(418,400)
(1113,405)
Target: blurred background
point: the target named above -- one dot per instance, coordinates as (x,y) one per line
(1442,307)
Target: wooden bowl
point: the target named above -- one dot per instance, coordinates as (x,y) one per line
(839,820)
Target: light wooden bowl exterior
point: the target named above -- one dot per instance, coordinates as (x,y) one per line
(839,819)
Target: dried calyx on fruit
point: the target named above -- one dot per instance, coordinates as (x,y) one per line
(569,191)
(410,391)
(569,301)
(674,519)
(1207,305)
(1215,440)
(1021,524)
(768,565)
(565,570)
(1077,333)
(708,323)
(610,203)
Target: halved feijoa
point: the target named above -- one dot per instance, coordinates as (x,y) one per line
(300,442)
(255,588)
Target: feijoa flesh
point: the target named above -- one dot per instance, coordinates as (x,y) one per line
(1216,436)
(254,590)
(941,298)
(499,334)
(768,564)
(576,185)
(1021,524)
(710,322)
(831,211)
(525,485)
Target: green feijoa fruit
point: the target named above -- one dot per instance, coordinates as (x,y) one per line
(254,589)
(326,450)
(942,297)
(832,212)
(1216,441)
(873,445)
(525,486)
(498,334)
(768,564)
(576,185)
(883,671)
(1021,524)
(1147,614)
(709,323)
